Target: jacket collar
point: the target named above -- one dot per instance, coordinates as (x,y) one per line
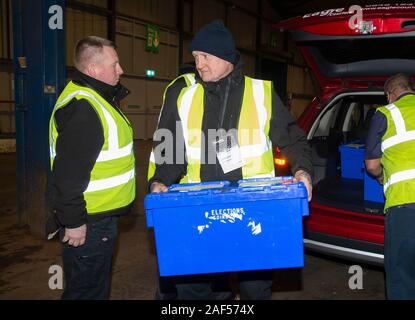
(404,95)
(108,92)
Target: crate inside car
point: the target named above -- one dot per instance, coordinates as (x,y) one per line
(352,160)
(214,227)
(373,190)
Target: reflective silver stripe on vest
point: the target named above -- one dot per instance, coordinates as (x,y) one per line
(184,111)
(102,184)
(256,150)
(399,177)
(401,134)
(191,78)
(52,148)
(113,152)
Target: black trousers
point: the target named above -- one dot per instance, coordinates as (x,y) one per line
(253,285)
(399,252)
(87,268)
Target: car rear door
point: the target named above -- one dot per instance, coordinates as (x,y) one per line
(356,46)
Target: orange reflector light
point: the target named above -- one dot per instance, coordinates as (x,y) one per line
(279,161)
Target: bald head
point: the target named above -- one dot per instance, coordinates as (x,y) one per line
(396,85)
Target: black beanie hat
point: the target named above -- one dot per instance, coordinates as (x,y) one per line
(216,39)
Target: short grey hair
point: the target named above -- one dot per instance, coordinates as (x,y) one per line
(399,81)
(87,48)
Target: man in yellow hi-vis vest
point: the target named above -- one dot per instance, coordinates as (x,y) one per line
(227,123)
(93,168)
(390,157)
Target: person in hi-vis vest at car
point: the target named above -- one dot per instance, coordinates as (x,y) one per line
(228,123)
(93,168)
(390,158)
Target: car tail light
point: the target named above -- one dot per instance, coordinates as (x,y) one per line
(282,167)
(280,161)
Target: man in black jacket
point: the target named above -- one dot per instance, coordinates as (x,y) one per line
(93,179)
(229,102)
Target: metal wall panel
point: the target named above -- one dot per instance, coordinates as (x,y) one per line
(265,41)
(300,89)
(142,106)
(167,13)
(3,30)
(80,24)
(187,56)
(187,17)
(250,5)
(125,50)
(7,122)
(98,3)
(127,7)
(154,104)
(299,80)
(205,11)
(243,33)
(249,64)
(134,105)
(130,39)
(268,11)
(162,12)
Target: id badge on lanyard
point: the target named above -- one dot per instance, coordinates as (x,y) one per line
(228,152)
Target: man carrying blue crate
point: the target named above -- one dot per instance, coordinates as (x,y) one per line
(390,157)
(224,125)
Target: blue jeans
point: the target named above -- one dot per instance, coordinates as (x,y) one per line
(399,253)
(88,267)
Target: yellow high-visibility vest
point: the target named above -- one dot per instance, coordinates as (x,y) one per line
(112,180)
(398,158)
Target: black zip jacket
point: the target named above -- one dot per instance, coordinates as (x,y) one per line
(222,106)
(79,143)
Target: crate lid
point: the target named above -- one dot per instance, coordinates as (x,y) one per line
(354,146)
(217,192)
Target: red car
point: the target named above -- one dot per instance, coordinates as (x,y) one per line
(351,54)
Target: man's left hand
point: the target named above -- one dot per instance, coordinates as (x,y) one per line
(304,177)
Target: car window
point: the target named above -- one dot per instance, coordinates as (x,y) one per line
(353,117)
(327,121)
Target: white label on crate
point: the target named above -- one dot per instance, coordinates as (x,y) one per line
(201,228)
(256,228)
(225,215)
(229,215)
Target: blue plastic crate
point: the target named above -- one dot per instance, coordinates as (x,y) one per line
(352,161)
(217,227)
(373,190)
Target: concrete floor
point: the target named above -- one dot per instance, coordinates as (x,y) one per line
(25,260)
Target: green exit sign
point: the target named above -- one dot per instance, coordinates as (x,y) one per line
(153,38)
(150,73)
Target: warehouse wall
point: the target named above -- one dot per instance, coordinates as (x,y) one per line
(300,89)
(177,20)
(7,122)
